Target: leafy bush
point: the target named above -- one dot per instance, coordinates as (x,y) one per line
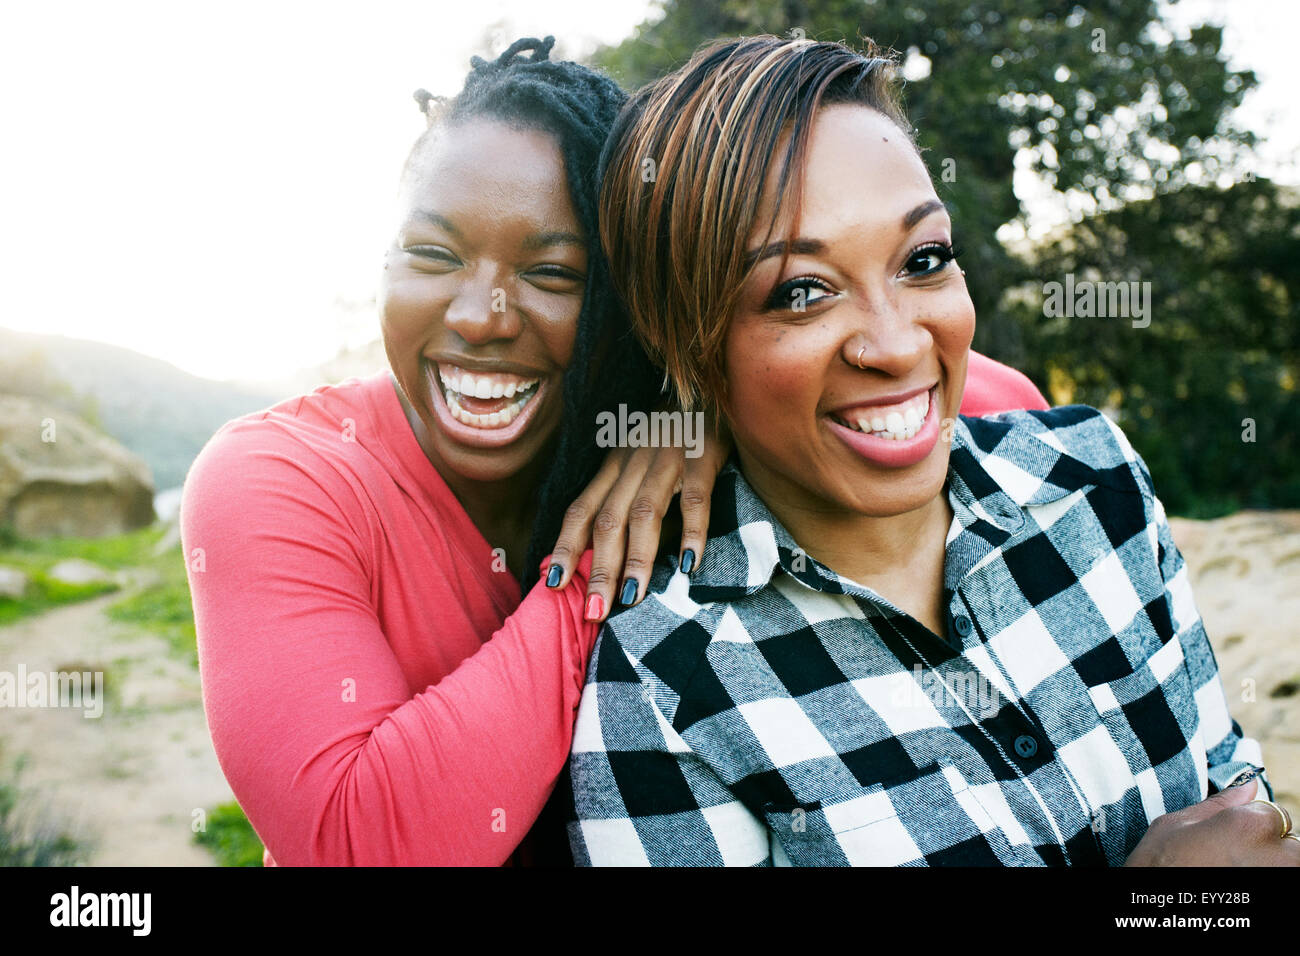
(230,837)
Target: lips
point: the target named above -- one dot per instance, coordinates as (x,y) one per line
(491,421)
(905,437)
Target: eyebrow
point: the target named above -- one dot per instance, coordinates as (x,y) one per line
(433,218)
(538,240)
(812,247)
(800,247)
(542,240)
(921,211)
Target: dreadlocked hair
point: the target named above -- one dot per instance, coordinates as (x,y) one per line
(578,107)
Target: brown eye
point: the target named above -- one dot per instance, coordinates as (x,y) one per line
(928,259)
(795,295)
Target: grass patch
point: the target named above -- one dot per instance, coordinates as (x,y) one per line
(44,593)
(36,557)
(163,607)
(28,835)
(117,551)
(230,837)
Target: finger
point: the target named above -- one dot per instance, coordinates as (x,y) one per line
(1288,853)
(575,531)
(697,490)
(1267,821)
(609,536)
(645,517)
(1217,803)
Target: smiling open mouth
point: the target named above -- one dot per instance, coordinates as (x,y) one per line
(896,435)
(894,422)
(482,400)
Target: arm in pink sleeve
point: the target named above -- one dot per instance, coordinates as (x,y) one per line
(332,759)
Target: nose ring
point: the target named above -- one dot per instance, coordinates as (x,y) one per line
(860,351)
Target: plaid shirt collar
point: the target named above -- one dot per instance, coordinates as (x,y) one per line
(995,471)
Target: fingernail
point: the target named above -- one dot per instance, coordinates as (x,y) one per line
(553,576)
(687,562)
(629,591)
(595,607)
(1246,777)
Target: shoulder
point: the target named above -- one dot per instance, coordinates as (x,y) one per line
(318,426)
(994,387)
(1070,444)
(658,642)
(294,450)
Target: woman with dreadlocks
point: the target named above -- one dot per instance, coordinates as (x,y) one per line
(382,682)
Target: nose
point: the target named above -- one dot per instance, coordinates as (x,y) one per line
(887,339)
(480,310)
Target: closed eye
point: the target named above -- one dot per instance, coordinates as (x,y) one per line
(556,278)
(433,253)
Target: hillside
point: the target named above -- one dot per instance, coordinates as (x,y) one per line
(161,413)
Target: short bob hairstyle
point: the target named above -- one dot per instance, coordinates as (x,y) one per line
(683,175)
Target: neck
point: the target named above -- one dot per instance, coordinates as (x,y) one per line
(898,556)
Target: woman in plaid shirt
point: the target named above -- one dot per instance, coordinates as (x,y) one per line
(913,638)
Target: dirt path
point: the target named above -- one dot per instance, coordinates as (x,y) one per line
(128,782)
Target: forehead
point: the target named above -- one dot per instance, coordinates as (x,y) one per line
(484,170)
(860,172)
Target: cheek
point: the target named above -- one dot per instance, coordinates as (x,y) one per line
(556,326)
(772,372)
(957,327)
(406,304)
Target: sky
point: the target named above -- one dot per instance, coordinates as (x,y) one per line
(213,184)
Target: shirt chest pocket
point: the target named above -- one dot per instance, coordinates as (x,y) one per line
(1151,719)
(933,817)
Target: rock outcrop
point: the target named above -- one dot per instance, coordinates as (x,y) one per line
(59,477)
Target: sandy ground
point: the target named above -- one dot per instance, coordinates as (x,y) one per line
(1246,578)
(130,781)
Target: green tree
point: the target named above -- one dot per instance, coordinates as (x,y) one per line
(1108,105)
(1207,391)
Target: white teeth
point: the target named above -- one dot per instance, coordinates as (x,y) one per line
(458,383)
(896,425)
(483,385)
(497,419)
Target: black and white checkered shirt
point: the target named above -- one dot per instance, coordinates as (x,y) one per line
(767,710)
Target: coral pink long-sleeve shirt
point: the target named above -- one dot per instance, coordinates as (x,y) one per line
(376,692)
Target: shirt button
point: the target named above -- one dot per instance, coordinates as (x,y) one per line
(1026,746)
(962,625)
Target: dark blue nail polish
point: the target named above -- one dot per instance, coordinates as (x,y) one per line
(629,591)
(1246,777)
(553,575)
(687,562)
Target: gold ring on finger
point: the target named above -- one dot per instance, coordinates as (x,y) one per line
(1281,812)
